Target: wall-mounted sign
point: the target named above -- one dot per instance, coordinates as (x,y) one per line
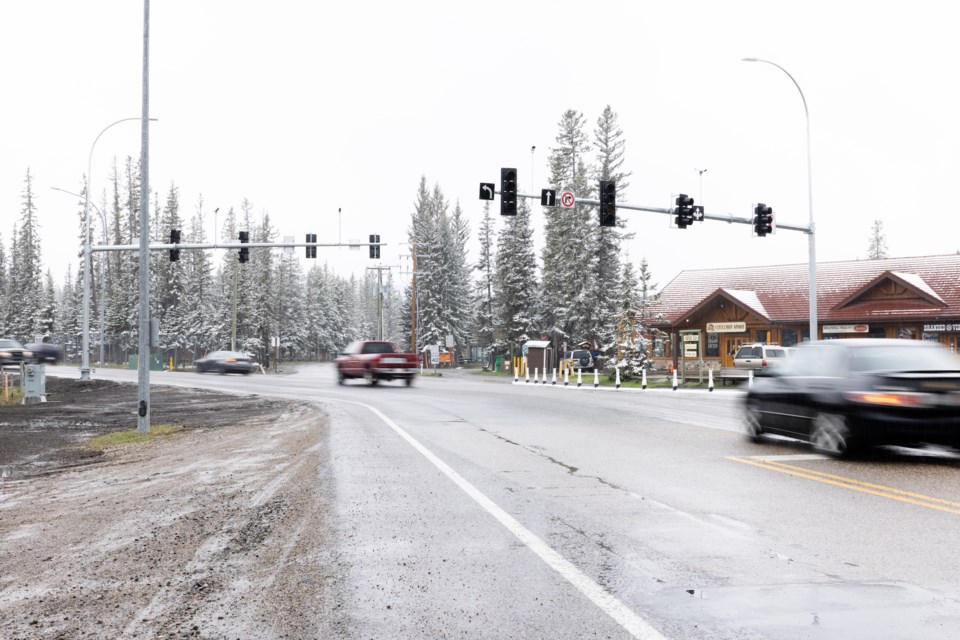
(942,327)
(846,328)
(726,327)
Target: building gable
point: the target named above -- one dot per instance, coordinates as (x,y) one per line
(893,287)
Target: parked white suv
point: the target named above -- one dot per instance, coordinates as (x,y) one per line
(760,356)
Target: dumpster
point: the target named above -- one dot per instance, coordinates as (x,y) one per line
(498,363)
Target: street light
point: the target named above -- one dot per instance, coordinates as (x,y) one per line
(85,358)
(701,172)
(811,234)
(103,270)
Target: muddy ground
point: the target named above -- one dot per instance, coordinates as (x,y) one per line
(210,532)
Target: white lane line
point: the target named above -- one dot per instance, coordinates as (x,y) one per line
(608,603)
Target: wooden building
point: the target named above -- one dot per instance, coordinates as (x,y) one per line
(707,314)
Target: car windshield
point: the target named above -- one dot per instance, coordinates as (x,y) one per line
(10,344)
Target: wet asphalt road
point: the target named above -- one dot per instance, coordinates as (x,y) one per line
(473,507)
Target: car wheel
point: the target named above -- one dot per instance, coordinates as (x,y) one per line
(751,423)
(341,379)
(831,436)
(369,377)
(409,381)
(223,371)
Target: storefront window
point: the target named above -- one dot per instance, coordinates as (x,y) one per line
(658,348)
(788,337)
(713,345)
(762,335)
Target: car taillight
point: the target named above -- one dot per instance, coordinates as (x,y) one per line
(231,360)
(891,398)
(763,363)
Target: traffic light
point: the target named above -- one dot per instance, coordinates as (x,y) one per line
(508,192)
(311,251)
(374,247)
(174,239)
(244,252)
(684,217)
(763,219)
(608,203)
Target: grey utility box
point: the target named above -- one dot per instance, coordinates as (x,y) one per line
(34,384)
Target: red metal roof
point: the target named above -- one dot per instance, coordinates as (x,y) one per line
(783,289)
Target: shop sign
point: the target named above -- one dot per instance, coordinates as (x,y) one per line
(846,328)
(726,327)
(942,327)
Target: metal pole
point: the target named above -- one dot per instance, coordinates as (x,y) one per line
(812,234)
(85,356)
(143,360)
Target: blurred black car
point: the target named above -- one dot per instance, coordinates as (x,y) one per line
(842,395)
(225,362)
(12,353)
(46,353)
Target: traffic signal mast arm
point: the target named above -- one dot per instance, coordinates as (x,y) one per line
(729,217)
(232,245)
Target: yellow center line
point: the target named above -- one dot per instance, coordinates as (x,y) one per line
(855,485)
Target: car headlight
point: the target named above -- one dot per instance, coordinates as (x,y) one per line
(5,354)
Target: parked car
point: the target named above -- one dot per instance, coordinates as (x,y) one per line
(376,360)
(225,362)
(12,353)
(759,356)
(46,352)
(580,359)
(842,395)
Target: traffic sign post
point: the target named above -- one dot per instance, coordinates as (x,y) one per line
(567,199)
(548,197)
(487,190)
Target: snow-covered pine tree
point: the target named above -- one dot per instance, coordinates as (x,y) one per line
(483,290)
(26,275)
(516,282)
(570,246)
(609,143)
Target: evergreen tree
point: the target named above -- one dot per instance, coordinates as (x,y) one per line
(608,138)
(26,284)
(5,290)
(168,285)
(483,291)
(877,247)
(516,291)
(201,328)
(570,245)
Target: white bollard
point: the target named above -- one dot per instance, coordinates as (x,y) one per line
(596,379)
(579,379)
(750,378)
(618,377)
(709,379)
(526,375)
(566,376)
(554,383)
(643,379)
(675,385)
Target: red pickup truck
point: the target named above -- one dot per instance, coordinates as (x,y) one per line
(376,360)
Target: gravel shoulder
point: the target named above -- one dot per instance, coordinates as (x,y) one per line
(210,532)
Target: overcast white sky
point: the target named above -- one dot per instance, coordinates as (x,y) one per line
(306,107)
